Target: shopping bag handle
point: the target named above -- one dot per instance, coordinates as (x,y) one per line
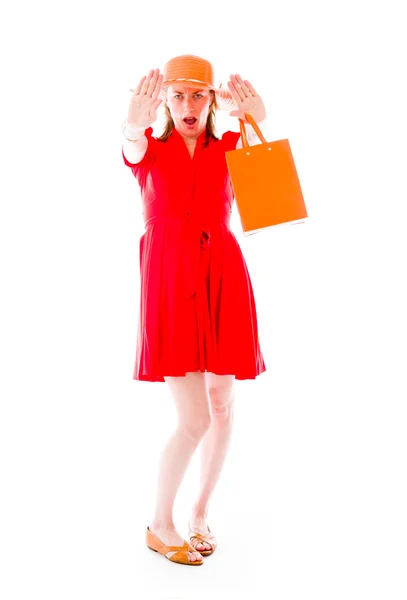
(253,123)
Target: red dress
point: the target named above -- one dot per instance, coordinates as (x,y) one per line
(197,308)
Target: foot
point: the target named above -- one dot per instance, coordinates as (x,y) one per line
(199,525)
(170,537)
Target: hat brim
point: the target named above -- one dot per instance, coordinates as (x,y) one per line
(224,98)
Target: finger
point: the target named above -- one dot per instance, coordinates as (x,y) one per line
(238,89)
(244,87)
(146,82)
(140,83)
(158,86)
(251,88)
(153,81)
(234,91)
(238,114)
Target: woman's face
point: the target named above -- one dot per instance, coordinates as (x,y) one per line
(189,102)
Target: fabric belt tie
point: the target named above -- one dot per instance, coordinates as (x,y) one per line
(193,240)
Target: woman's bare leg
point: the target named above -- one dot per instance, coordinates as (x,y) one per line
(214,447)
(191,397)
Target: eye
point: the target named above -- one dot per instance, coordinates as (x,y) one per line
(196,95)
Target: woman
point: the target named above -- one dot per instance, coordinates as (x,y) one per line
(198,326)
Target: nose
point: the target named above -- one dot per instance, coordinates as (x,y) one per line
(188,105)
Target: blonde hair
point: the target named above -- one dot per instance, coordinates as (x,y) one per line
(210,121)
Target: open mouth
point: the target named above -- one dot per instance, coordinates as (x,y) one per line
(190,121)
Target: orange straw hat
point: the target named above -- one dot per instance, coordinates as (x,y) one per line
(190,69)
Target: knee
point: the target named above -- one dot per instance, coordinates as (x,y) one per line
(197,428)
(222,412)
(222,405)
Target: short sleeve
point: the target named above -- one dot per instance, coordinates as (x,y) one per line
(230,139)
(142,167)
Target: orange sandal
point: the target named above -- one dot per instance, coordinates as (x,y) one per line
(198,538)
(181,552)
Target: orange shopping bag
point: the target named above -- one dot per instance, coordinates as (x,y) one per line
(265,182)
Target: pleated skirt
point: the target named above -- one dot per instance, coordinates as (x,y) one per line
(197,307)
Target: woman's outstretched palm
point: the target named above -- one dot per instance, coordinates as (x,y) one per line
(246,99)
(144,102)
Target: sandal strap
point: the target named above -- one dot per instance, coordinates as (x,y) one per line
(179,550)
(165,549)
(183,552)
(198,538)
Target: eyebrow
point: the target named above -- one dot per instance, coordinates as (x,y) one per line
(177,92)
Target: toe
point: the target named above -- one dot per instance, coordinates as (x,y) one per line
(194,556)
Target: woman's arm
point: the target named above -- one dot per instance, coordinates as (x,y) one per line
(135,151)
(135,148)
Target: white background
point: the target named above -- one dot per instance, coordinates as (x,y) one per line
(312,499)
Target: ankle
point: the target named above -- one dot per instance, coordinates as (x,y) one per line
(160,525)
(200,513)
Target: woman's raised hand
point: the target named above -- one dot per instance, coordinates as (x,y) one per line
(247,99)
(144,102)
